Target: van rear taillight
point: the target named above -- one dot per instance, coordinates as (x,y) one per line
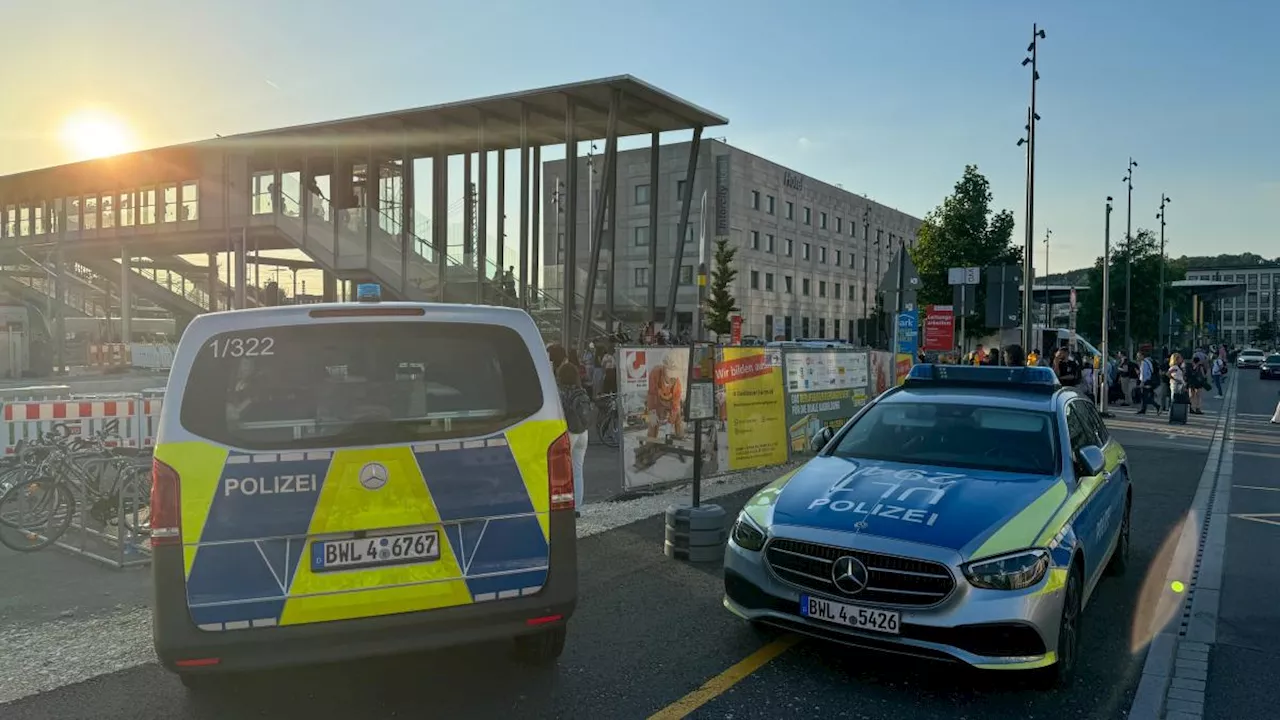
(166,505)
(560,473)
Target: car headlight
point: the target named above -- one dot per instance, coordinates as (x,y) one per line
(747,535)
(1011,572)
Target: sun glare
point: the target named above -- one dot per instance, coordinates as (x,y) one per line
(95,134)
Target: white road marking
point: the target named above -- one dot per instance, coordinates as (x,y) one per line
(1268,518)
(1256,487)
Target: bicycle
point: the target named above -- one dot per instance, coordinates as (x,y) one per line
(55,473)
(608,428)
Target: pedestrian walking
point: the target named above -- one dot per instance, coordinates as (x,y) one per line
(1128,373)
(1197,383)
(1219,372)
(577,416)
(1147,377)
(1177,390)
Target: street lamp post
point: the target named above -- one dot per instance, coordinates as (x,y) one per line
(1128,262)
(1160,332)
(1048,299)
(866,273)
(1028,273)
(1106,311)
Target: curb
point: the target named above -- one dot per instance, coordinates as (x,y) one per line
(1175,673)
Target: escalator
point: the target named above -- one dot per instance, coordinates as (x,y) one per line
(180,296)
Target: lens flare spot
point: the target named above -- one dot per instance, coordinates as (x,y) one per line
(1177,586)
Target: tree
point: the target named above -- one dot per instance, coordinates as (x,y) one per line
(721,304)
(1264,334)
(963,232)
(1147,319)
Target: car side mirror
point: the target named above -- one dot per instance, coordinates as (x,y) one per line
(821,438)
(1091,460)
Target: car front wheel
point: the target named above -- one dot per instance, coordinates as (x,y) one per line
(1120,558)
(1059,674)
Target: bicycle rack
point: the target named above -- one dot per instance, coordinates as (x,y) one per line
(117,547)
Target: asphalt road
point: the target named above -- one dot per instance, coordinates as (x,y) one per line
(1245,661)
(649,631)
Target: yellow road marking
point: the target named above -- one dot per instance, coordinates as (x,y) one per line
(721,683)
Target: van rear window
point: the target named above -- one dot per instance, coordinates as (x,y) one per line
(359,383)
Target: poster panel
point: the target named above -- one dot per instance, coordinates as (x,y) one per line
(657,442)
(904,361)
(825,387)
(753,408)
(881,372)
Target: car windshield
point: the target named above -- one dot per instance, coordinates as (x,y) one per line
(1252,353)
(334,384)
(967,436)
(1273,360)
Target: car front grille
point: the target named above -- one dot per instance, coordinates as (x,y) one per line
(892,580)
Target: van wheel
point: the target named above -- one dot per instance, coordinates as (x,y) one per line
(542,648)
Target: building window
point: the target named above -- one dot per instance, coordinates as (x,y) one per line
(791,210)
(642,277)
(804,327)
(640,235)
(822,327)
(790,247)
(808,216)
(788,286)
(190,202)
(822,288)
(835,328)
(837,258)
(755,199)
(126,209)
(768,243)
(107,203)
(755,239)
(755,279)
(807,255)
(642,194)
(836,295)
(768,327)
(853,229)
(688,233)
(24,221)
(72,205)
(839,229)
(37,220)
(170,195)
(822,221)
(146,207)
(686,274)
(679,190)
(768,282)
(770,203)
(852,263)
(806,286)
(850,291)
(822,255)
(91,213)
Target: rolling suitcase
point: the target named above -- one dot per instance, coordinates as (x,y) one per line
(1179,408)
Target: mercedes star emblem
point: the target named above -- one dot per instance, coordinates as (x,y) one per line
(373,476)
(849,575)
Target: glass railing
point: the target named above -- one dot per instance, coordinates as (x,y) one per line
(76,297)
(175,283)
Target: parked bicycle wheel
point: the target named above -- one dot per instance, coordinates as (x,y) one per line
(34,513)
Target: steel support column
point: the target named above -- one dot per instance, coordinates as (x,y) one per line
(439,218)
(468,200)
(482,213)
(211,280)
(242,270)
(570,265)
(611,206)
(500,217)
(597,229)
(126,297)
(524,207)
(686,199)
(371,182)
(535,223)
(654,164)
(60,292)
(408,232)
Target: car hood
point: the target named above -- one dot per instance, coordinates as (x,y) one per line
(954,508)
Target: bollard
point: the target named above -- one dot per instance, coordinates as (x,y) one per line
(695,534)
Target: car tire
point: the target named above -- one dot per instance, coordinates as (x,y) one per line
(1060,674)
(541,649)
(1120,558)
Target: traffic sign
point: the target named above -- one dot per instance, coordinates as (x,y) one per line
(964,276)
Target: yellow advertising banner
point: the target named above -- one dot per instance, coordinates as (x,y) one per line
(754,410)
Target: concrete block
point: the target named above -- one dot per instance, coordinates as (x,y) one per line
(1188,684)
(1186,706)
(1190,674)
(1188,695)
(1182,716)
(1199,665)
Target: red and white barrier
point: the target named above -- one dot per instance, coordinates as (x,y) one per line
(137,418)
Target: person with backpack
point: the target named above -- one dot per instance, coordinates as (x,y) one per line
(577,415)
(1219,373)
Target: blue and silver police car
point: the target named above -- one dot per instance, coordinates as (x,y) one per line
(966,515)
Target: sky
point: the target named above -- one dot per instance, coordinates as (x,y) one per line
(889,99)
